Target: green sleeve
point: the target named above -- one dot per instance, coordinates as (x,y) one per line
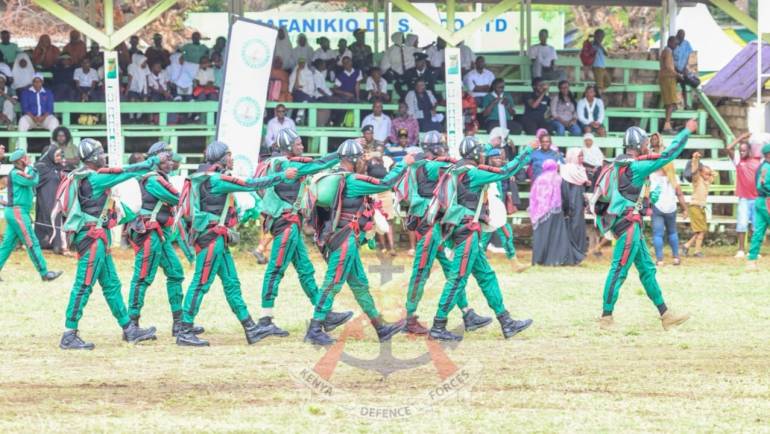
(317,165)
(162,190)
(224,184)
(362,185)
(108,178)
(479,178)
(763,180)
(21,180)
(433,169)
(642,169)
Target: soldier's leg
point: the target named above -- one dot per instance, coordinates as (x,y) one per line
(110,282)
(487,280)
(647,271)
(232,286)
(425,254)
(10,239)
(89,268)
(507,237)
(359,284)
(172,268)
(623,256)
(761,221)
(305,269)
(339,265)
(457,278)
(148,251)
(31,242)
(206,268)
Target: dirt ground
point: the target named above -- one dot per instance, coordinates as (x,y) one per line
(562,374)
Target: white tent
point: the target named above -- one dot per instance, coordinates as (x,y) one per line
(715,49)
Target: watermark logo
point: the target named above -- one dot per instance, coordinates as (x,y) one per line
(247,112)
(255,53)
(386,268)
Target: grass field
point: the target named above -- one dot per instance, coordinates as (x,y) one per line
(563,374)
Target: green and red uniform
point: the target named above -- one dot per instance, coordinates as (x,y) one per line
(761,210)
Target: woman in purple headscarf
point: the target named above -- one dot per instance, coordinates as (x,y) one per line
(551,244)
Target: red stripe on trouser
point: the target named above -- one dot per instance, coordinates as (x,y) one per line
(207,263)
(505,231)
(282,250)
(341,261)
(91,259)
(425,249)
(146,257)
(17,216)
(629,243)
(466,256)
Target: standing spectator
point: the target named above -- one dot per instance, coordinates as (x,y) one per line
(180,77)
(8,48)
(668,78)
(124,57)
(62,138)
(95,55)
(593,158)
(37,106)
(219,45)
(573,193)
(420,71)
(301,82)
(746,166)
(303,49)
(62,81)
(369,142)
(45,54)
(590,112)
(702,177)
(376,86)
(204,88)
(133,46)
(347,82)
(564,112)
(665,192)
(601,76)
(543,58)
(284,50)
(545,152)
(325,53)
(7,103)
(279,82)
(156,52)
(535,107)
(136,89)
(436,55)
(157,83)
(86,82)
(219,70)
(50,172)
(403,121)
(681,59)
(422,106)
(499,109)
(194,51)
(343,51)
(479,80)
(278,123)
(380,122)
(362,53)
(396,60)
(22,72)
(76,48)
(5,70)
(467,58)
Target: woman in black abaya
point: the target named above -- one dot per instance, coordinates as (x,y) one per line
(49,168)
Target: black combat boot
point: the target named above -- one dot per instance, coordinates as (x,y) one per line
(440,333)
(51,275)
(265,328)
(186,338)
(176,327)
(315,334)
(414,327)
(250,329)
(511,327)
(336,319)
(71,341)
(385,330)
(473,321)
(134,334)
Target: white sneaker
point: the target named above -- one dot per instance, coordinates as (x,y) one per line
(495,249)
(740,255)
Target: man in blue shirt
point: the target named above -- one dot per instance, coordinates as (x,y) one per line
(601,76)
(681,57)
(37,107)
(542,154)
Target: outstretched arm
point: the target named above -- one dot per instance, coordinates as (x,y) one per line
(112,176)
(232,184)
(30,179)
(162,190)
(362,185)
(644,168)
(483,177)
(317,165)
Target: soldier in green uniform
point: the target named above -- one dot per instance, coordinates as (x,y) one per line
(622,215)
(339,233)
(22,181)
(463,213)
(422,179)
(282,220)
(761,208)
(151,234)
(214,219)
(90,217)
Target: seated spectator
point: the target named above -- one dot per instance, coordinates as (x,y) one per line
(303,49)
(124,58)
(435,54)
(470,112)
(421,71)
(301,82)
(467,58)
(278,123)
(22,72)
(542,154)
(343,51)
(376,86)
(593,158)
(37,107)
(397,150)
(284,50)
(479,80)
(536,106)
(62,81)
(404,121)
(136,90)
(369,142)
(217,64)
(180,77)
(157,83)
(7,103)
(325,53)
(194,51)
(5,70)
(76,48)
(279,82)
(219,45)
(133,45)
(564,112)
(156,52)
(95,55)
(396,60)
(204,88)
(499,110)
(9,49)
(543,58)
(86,82)
(323,93)
(347,82)
(422,106)
(601,76)
(590,112)
(667,78)
(361,53)
(45,54)
(379,121)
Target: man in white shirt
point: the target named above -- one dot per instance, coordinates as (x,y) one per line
(325,53)
(301,82)
(278,123)
(436,54)
(479,80)
(379,121)
(543,58)
(396,60)
(467,58)
(86,81)
(322,91)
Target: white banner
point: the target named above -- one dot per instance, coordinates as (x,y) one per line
(244,91)
(454,100)
(112,106)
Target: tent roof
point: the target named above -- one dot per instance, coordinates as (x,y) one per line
(654,3)
(738,79)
